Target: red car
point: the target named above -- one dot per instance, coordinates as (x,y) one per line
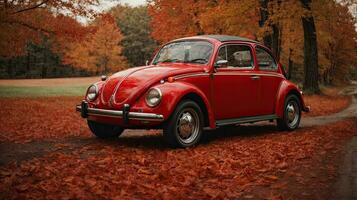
(192,84)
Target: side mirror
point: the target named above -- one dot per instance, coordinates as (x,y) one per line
(221,63)
(103,77)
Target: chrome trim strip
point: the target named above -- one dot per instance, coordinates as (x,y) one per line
(96,92)
(119,114)
(190,75)
(247,74)
(243,120)
(146,100)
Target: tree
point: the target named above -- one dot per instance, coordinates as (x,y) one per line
(134,23)
(197,17)
(99,51)
(173,19)
(26,21)
(336,41)
(311,81)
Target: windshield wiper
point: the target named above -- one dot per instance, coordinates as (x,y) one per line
(198,60)
(169,61)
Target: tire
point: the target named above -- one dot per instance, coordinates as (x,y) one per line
(104,130)
(185,126)
(292,114)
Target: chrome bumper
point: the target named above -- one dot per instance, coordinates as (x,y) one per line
(124,114)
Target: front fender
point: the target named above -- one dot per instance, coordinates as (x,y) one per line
(173,93)
(286,88)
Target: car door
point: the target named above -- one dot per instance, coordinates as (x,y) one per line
(235,85)
(270,80)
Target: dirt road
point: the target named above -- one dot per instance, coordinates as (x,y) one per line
(351,111)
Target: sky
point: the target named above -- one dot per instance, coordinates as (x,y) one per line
(106,4)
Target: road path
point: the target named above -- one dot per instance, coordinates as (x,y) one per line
(349,112)
(346,185)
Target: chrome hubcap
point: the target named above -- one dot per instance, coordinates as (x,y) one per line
(293,113)
(188,125)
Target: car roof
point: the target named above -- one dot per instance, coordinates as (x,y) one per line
(221,38)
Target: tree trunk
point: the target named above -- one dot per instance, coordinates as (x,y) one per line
(264,15)
(271,40)
(28,59)
(10,68)
(311,82)
(44,65)
(291,65)
(276,41)
(197,21)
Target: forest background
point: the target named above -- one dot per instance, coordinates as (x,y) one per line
(315,40)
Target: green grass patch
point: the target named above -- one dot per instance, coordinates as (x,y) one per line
(40,91)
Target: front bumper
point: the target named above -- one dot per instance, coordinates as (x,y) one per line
(124,114)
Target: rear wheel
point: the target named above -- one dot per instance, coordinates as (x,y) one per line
(104,130)
(184,128)
(292,114)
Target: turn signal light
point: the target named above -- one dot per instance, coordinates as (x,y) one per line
(171,79)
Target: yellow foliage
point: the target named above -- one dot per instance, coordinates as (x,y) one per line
(99,51)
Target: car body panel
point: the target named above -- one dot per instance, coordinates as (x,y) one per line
(226,93)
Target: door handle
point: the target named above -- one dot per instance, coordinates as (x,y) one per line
(255,77)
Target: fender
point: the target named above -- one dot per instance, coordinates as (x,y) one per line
(174,92)
(286,87)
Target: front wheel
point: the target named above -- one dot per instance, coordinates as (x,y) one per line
(292,114)
(185,126)
(104,130)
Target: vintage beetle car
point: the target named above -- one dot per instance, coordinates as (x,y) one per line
(192,84)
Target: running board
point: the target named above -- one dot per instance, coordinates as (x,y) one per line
(243,120)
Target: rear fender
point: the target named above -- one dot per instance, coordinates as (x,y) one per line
(287,88)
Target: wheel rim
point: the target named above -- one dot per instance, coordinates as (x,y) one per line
(293,113)
(188,125)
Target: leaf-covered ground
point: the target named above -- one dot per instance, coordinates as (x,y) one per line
(330,101)
(26,119)
(250,161)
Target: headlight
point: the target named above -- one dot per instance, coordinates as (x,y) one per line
(92,92)
(153,97)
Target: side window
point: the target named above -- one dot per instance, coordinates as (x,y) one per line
(222,54)
(265,61)
(239,56)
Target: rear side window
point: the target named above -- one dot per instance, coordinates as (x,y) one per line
(266,61)
(239,56)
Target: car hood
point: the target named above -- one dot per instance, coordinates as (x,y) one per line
(128,85)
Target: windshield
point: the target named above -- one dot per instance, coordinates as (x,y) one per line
(197,52)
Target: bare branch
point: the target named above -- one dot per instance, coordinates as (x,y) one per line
(32,7)
(27,26)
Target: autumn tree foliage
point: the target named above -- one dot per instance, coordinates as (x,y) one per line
(99,51)
(180,16)
(134,23)
(28,21)
(300,33)
(336,40)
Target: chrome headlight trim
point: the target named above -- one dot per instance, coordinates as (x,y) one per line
(92,92)
(158,96)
